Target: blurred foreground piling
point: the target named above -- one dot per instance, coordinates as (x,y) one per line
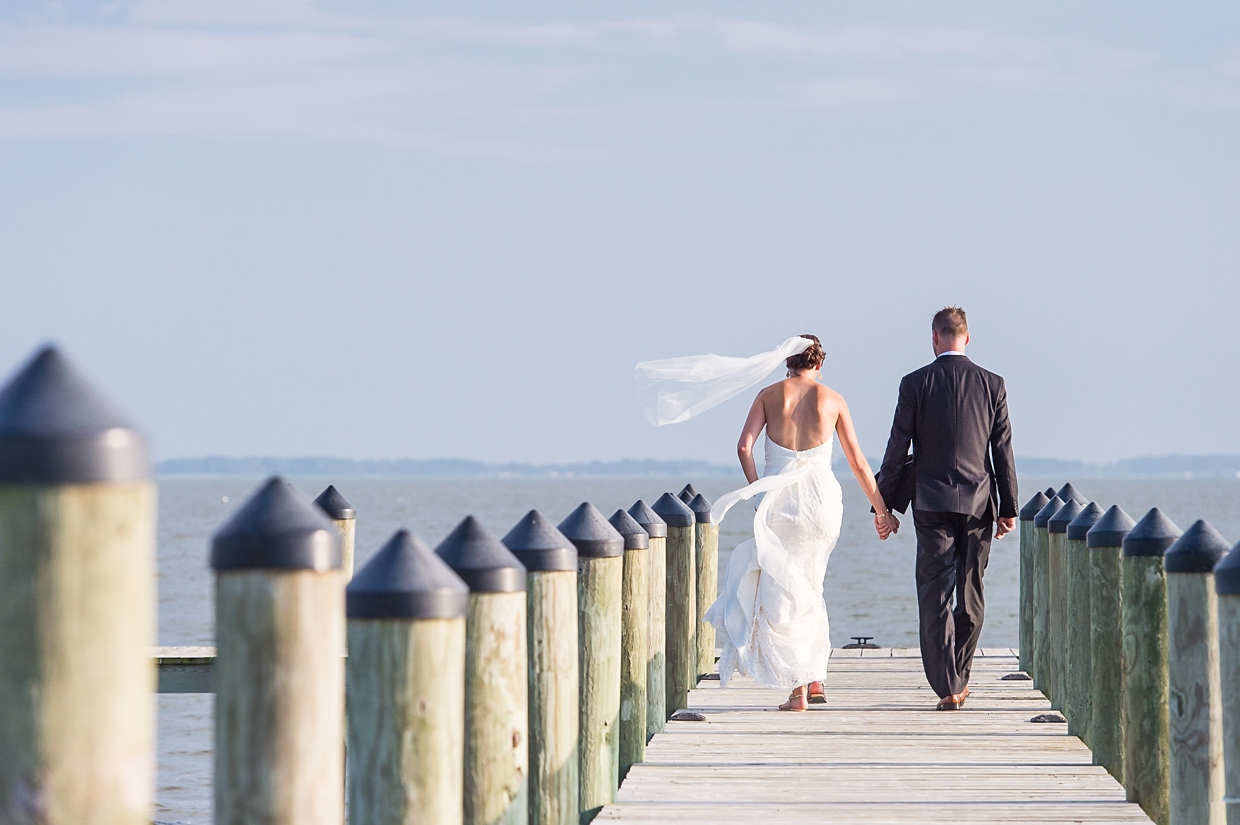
(77,604)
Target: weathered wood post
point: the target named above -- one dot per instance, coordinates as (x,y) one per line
(406,678)
(342,514)
(1025,626)
(706,544)
(496,708)
(1057,626)
(656,631)
(600,580)
(635,617)
(1105,540)
(1041,596)
(1144,585)
(77,604)
(279,663)
(550,561)
(1227,587)
(681,578)
(1196,703)
(1077,706)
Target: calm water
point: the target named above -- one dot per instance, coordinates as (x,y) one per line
(869,585)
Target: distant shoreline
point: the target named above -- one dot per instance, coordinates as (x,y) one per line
(1154,467)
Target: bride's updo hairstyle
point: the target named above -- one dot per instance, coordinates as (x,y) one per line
(811,359)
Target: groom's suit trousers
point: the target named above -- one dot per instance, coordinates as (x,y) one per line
(952,552)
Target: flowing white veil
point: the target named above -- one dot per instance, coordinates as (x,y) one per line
(677,389)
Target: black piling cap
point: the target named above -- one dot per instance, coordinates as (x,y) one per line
(1070,493)
(1227,574)
(334,504)
(406,580)
(1044,515)
(1110,529)
(635,538)
(1152,535)
(700,505)
(1059,522)
(277,529)
(56,428)
(1032,507)
(539,546)
(1079,527)
(591,533)
(654,526)
(1197,551)
(1050,493)
(686,495)
(674,511)
(482,560)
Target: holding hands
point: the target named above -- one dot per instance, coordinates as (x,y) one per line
(885,524)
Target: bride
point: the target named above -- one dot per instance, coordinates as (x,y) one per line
(770,612)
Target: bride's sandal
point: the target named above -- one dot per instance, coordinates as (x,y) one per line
(817,696)
(797,701)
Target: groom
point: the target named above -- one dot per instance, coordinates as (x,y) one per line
(955,416)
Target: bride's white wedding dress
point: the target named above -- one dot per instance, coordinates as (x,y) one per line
(770,614)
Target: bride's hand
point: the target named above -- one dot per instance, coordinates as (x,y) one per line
(885,524)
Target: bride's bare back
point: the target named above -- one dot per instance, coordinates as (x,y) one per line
(800,414)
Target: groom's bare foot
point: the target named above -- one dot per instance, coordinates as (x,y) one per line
(952,702)
(797,700)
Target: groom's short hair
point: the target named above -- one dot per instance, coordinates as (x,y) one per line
(950,322)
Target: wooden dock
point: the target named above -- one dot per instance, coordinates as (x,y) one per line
(876,753)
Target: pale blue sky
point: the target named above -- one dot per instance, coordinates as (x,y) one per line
(295,228)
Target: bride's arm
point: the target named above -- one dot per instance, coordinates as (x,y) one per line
(861,467)
(754,423)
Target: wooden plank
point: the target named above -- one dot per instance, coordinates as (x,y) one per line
(876,752)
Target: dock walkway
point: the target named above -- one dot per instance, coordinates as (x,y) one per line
(876,753)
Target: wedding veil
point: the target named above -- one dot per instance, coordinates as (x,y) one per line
(676,389)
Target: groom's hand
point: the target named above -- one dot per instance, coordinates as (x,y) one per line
(1006,525)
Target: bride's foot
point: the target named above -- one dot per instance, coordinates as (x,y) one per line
(797,700)
(817,696)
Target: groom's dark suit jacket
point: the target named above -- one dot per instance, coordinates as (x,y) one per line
(954,414)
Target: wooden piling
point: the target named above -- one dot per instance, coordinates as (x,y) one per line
(600,580)
(1195,708)
(682,659)
(1026,609)
(550,561)
(635,617)
(342,514)
(406,687)
(1105,540)
(1227,587)
(656,630)
(77,604)
(1077,651)
(279,627)
(1146,733)
(1041,596)
(706,581)
(496,708)
(1057,624)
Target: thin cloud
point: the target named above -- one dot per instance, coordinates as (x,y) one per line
(545,89)
(77,52)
